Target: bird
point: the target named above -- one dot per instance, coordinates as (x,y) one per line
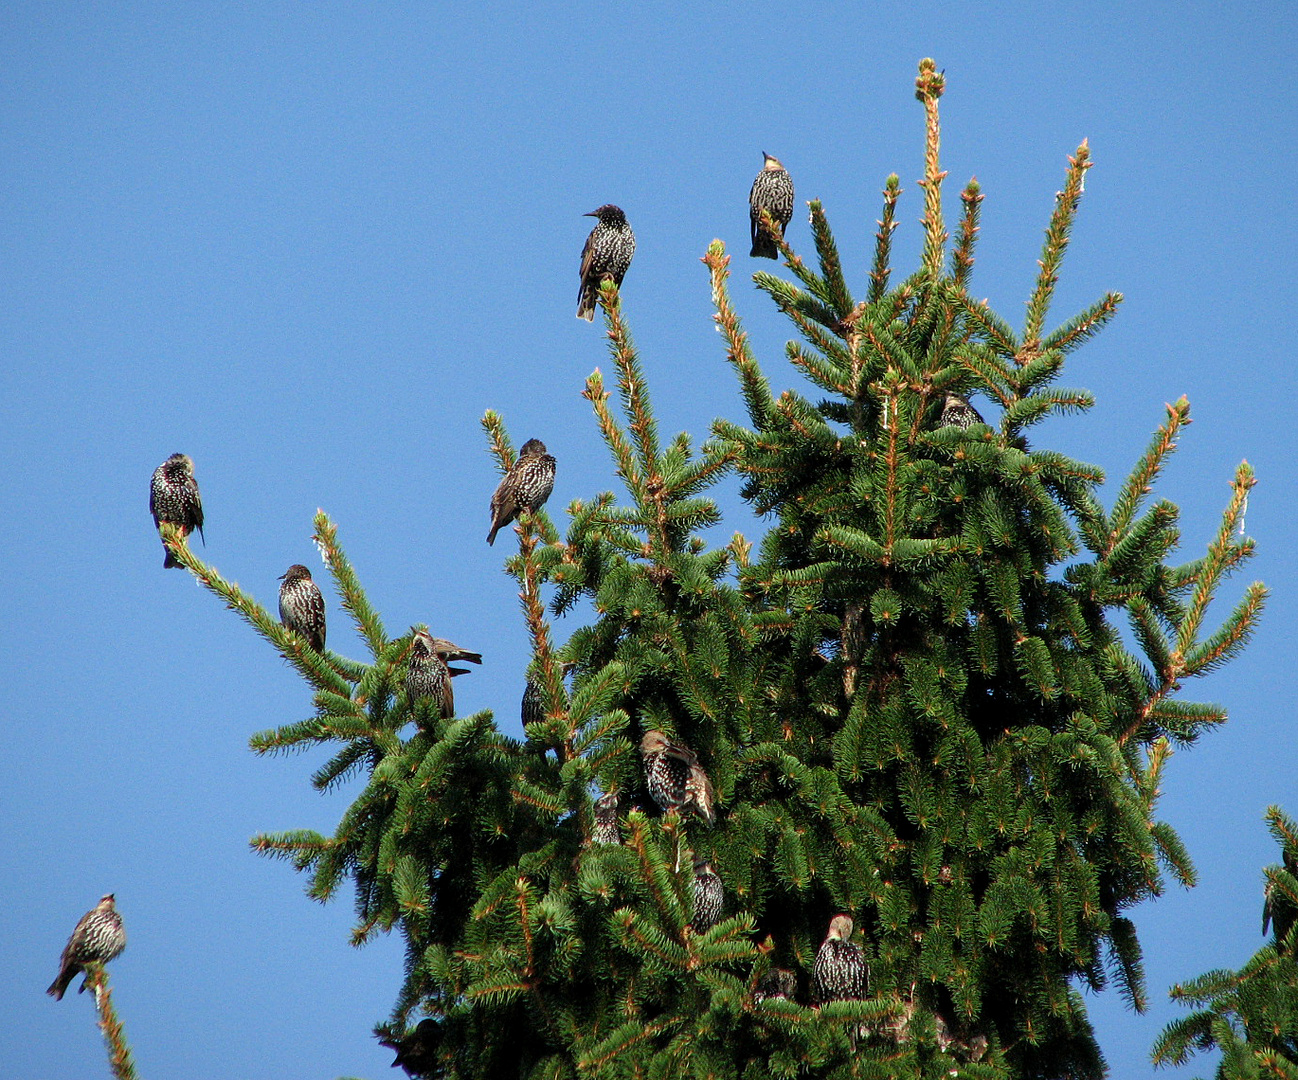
(776,983)
(301,607)
(525,487)
(98,938)
(607,254)
(675,778)
(417,1050)
(840,970)
(427,674)
(605,830)
(709,897)
(1278,908)
(773,192)
(173,498)
(533,710)
(957,412)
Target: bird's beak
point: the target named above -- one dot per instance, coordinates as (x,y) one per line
(592,213)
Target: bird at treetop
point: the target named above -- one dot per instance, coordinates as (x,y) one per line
(427,674)
(1278,908)
(301,607)
(840,970)
(709,896)
(957,412)
(98,938)
(607,255)
(525,487)
(773,192)
(675,778)
(173,498)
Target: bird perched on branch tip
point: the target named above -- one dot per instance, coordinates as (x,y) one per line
(607,255)
(301,606)
(772,191)
(173,498)
(98,938)
(525,487)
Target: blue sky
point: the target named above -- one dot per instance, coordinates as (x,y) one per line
(309,244)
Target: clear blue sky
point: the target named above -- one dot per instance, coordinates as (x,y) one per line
(309,244)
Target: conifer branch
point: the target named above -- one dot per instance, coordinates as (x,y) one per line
(119,1051)
(833,291)
(928,88)
(962,258)
(351,596)
(882,268)
(635,401)
(1061,223)
(755,388)
(1141,481)
(310,664)
(612,432)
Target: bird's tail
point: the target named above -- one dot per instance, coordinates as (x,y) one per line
(59,985)
(491,536)
(586,304)
(763,246)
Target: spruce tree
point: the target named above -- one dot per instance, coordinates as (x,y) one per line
(1250,1015)
(913,700)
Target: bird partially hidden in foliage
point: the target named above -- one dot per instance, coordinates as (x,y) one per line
(301,607)
(957,412)
(98,938)
(525,487)
(173,498)
(773,192)
(675,778)
(1279,910)
(840,970)
(606,256)
(776,983)
(605,830)
(709,897)
(428,674)
(417,1051)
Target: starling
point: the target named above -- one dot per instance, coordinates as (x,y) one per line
(301,607)
(772,192)
(98,938)
(173,497)
(607,255)
(709,896)
(533,704)
(840,970)
(606,830)
(675,778)
(417,1051)
(1278,907)
(776,983)
(428,676)
(957,412)
(525,487)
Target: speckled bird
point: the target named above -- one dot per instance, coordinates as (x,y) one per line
(773,192)
(173,498)
(709,896)
(525,487)
(427,675)
(301,607)
(675,778)
(776,983)
(605,830)
(840,970)
(606,256)
(957,412)
(98,938)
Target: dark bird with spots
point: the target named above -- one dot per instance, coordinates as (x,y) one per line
(840,970)
(709,897)
(606,256)
(173,498)
(524,488)
(98,938)
(301,607)
(427,673)
(675,778)
(605,830)
(957,412)
(773,192)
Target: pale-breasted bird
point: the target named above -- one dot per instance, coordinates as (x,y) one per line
(709,896)
(675,778)
(773,192)
(607,255)
(98,938)
(525,487)
(840,970)
(173,498)
(301,607)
